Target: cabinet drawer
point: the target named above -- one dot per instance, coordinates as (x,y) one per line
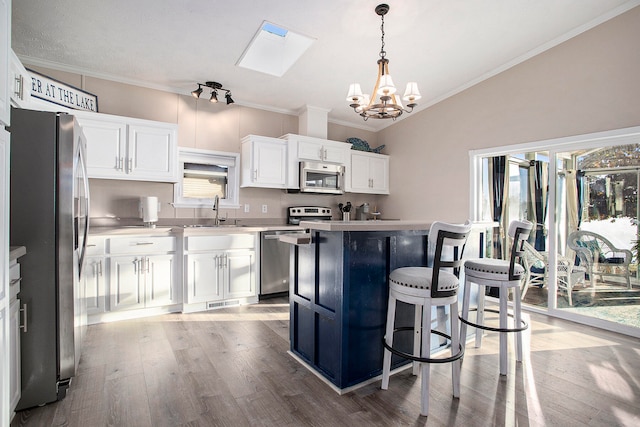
(14,272)
(138,245)
(95,246)
(14,281)
(229,241)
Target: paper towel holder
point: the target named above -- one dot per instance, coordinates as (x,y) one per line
(148,210)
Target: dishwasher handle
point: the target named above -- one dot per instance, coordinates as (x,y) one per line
(277,236)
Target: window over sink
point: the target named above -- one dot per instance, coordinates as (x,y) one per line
(205,174)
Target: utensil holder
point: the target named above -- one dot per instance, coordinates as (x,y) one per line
(346,216)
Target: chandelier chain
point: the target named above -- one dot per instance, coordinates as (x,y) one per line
(382,52)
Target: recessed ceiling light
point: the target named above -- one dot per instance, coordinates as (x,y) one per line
(274,49)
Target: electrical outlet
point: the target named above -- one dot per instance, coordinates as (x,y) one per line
(264,208)
(246,208)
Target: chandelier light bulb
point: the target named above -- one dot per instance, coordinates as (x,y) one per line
(386,87)
(355,93)
(411,94)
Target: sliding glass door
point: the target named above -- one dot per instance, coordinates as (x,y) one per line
(582,196)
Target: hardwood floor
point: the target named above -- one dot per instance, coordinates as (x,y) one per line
(230,367)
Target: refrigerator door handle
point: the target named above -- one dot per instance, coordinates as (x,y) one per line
(85,182)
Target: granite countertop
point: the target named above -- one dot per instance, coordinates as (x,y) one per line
(16,252)
(383,225)
(189,231)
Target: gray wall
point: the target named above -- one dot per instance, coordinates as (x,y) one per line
(588,84)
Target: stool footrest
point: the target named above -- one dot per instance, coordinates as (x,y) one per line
(523,324)
(404,355)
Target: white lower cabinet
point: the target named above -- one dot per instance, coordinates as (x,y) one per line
(220,270)
(15,384)
(133,276)
(16,315)
(5,358)
(142,281)
(221,275)
(93,279)
(125,274)
(203,273)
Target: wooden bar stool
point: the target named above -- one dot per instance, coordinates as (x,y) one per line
(426,287)
(505,275)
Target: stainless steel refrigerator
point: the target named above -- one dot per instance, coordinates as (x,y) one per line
(49,215)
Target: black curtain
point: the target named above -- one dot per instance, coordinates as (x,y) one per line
(498,177)
(580,193)
(539,191)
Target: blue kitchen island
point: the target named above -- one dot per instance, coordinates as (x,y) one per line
(338,295)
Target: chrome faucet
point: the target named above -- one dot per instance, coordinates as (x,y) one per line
(216,209)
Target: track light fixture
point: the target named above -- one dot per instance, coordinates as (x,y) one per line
(196,93)
(215,87)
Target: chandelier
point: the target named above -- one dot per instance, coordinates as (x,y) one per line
(383,104)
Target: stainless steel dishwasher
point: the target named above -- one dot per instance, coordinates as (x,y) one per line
(274,255)
(274,264)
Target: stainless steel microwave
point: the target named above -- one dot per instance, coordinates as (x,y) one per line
(324,178)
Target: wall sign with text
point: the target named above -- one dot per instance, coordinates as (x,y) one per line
(51,90)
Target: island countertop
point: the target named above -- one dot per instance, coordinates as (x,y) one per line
(380,225)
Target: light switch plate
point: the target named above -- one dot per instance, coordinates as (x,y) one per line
(246,208)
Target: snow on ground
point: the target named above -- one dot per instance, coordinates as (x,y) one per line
(619,231)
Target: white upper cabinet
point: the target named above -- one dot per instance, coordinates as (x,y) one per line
(264,162)
(129,149)
(5,49)
(367,173)
(152,151)
(106,147)
(307,148)
(19,83)
(316,149)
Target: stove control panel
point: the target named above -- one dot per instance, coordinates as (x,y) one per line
(307,211)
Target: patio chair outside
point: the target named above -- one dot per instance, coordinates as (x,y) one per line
(600,257)
(536,265)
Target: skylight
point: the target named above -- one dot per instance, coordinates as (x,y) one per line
(274,50)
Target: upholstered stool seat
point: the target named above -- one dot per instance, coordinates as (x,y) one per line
(505,275)
(420,278)
(491,269)
(426,287)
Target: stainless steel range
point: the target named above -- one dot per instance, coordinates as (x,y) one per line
(308,213)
